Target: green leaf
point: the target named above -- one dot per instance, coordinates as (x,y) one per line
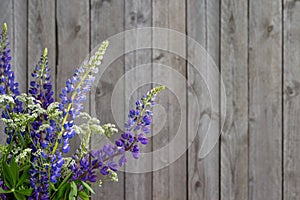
(83,195)
(26,192)
(5,191)
(8,176)
(71,197)
(7,183)
(61,192)
(66,193)
(13,167)
(64,181)
(25,176)
(53,187)
(73,192)
(25,167)
(74,188)
(19,196)
(88,187)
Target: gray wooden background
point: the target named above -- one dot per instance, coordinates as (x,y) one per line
(256,45)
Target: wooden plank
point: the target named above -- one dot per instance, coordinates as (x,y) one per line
(234,69)
(170,181)
(203,27)
(41,34)
(20,43)
(6,10)
(107,19)
(73,43)
(291,99)
(137,15)
(265,100)
(177,113)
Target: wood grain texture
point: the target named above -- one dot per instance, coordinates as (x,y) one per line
(137,15)
(203,27)
(20,43)
(265,100)
(170,181)
(291,100)
(107,19)
(41,35)
(72,43)
(177,113)
(234,70)
(7,15)
(259,155)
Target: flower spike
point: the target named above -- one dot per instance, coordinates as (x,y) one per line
(74,94)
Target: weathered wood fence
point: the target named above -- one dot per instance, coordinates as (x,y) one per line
(255,44)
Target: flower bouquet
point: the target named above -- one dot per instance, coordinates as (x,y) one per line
(33,160)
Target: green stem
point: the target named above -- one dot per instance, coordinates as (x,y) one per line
(68,109)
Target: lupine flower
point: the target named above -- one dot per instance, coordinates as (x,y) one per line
(138,124)
(57,162)
(74,94)
(39,180)
(7,77)
(104,159)
(7,80)
(41,89)
(39,174)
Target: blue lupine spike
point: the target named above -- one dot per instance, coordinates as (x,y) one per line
(103,159)
(8,78)
(42,80)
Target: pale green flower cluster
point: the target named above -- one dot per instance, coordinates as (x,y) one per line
(92,127)
(109,129)
(96,59)
(112,176)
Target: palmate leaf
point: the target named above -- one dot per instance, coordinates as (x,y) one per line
(26,192)
(22,193)
(10,173)
(5,191)
(11,179)
(19,196)
(25,176)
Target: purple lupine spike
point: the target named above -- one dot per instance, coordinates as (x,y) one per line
(41,89)
(7,80)
(39,177)
(75,93)
(8,85)
(41,86)
(138,124)
(107,158)
(39,180)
